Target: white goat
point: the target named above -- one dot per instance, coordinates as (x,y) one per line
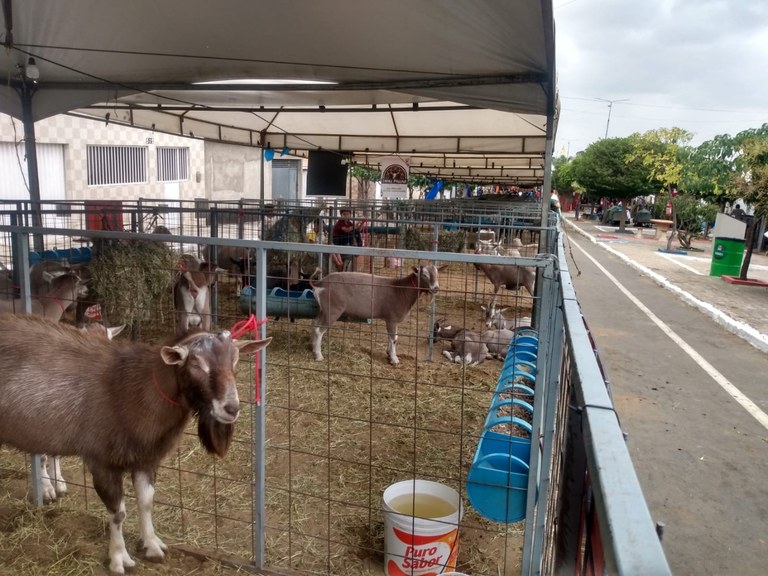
(192,297)
(360,295)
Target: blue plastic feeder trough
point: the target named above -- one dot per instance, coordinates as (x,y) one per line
(283,303)
(497,483)
(280,302)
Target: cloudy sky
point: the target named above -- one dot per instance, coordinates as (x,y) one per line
(701,65)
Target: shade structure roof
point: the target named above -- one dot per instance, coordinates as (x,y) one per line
(464,89)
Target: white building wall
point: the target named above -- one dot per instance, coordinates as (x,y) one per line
(216,171)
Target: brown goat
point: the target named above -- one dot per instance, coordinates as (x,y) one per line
(52,481)
(360,295)
(124,413)
(510,276)
(64,290)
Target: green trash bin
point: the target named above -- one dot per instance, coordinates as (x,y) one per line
(727,254)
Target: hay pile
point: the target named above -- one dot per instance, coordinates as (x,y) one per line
(415,239)
(132,278)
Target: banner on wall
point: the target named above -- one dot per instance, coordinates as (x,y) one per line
(394,177)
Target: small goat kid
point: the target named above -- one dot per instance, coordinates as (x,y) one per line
(123,414)
(360,295)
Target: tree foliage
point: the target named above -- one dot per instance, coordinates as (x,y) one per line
(611,168)
(753,162)
(693,217)
(709,170)
(563,179)
(365,176)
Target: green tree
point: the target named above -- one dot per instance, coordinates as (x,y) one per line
(693,216)
(612,168)
(365,176)
(417,182)
(753,184)
(662,152)
(710,171)
(563,179)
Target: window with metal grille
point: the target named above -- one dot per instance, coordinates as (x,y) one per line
(172,164)
(117,165)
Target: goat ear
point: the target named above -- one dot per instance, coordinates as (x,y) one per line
(483,308)
(114,331)
(252,346)
(416,270)
(441,268)
(174,354)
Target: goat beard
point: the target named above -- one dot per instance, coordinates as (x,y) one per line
(215,436)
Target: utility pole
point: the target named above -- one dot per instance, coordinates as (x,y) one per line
(610,107)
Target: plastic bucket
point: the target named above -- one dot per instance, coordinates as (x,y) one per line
(421,528)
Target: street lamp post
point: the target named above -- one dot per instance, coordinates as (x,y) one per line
(610,107)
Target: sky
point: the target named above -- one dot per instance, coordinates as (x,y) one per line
(700,65)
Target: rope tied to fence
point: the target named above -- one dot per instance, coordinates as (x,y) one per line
(241,328)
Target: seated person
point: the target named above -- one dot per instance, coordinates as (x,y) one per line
(345,233)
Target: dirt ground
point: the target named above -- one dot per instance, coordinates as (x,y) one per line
(337,433)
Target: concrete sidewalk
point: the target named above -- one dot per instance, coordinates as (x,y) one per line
(741,309)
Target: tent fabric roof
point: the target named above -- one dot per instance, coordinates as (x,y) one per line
(463,88)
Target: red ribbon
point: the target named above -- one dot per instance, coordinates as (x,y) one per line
(241,328)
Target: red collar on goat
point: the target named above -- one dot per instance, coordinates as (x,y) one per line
(163,394)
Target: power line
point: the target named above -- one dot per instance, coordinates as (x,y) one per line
(662,106)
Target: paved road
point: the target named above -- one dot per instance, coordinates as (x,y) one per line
(691,396)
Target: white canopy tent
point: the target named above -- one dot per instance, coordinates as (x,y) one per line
(465,89)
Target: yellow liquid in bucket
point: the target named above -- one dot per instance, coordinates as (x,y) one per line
(422,506)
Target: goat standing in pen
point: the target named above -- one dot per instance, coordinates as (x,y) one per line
(125,413)
(52,480)
(360,295)
(192,297)
(510,276)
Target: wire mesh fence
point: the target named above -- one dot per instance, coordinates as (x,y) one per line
(318,441)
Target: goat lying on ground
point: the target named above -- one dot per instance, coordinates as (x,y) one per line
(360,295)
(497,342)
(192,297)
(52,481)
(64,290)
(467,348)
(494,318)
(124,414)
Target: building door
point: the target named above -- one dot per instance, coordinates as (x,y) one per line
(285,179)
